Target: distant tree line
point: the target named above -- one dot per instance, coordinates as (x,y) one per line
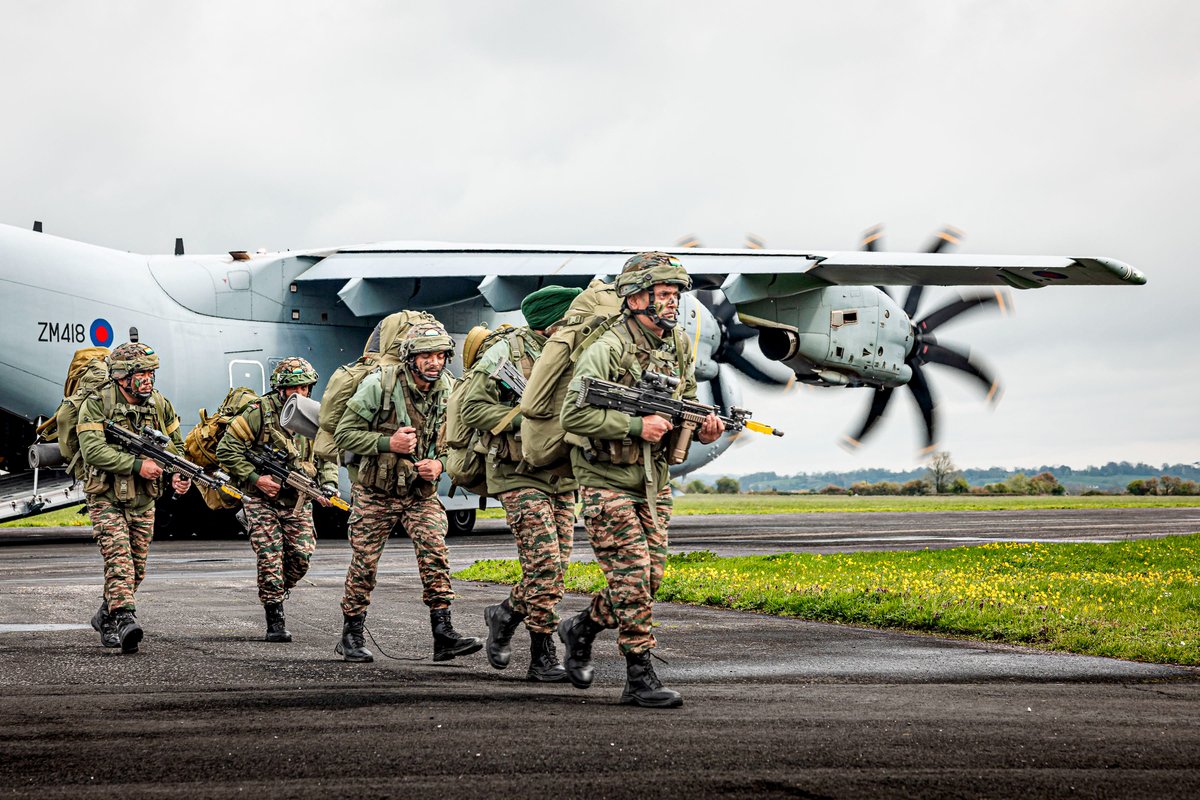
(941,476)
(1113,477)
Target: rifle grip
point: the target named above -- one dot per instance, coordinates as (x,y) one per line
(681,442)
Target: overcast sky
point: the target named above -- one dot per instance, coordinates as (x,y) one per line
(1039,127)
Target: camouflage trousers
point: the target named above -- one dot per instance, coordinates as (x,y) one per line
(632,554)
(373,514)
(283,541)
(124,539)
(544,527)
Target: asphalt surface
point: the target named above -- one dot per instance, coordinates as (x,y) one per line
(773,707)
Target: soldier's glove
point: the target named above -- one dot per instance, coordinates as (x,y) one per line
(329,489)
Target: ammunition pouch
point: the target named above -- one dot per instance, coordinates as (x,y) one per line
(97,482)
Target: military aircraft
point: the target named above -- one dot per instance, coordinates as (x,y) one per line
(773,316)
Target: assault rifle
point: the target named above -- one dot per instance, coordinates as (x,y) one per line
(270,460)
(154,445)
(653,394)
(510,375)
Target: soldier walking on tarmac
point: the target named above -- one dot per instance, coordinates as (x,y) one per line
(121,488)
(395,424)
(281,533)
(539,504)
(623,474)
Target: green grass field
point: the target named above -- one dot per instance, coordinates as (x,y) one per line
(690,504)
(1138,600)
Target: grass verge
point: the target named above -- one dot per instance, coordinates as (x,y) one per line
(68,517)
(1137,600)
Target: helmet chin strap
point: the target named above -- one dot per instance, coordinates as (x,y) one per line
(412,365)
(127,383)
(651,314)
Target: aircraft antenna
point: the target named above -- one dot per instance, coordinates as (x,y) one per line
(179,245)
(37,226)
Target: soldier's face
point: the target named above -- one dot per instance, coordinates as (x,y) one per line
(429,365)
(304,391)
(666,300)
(141,384)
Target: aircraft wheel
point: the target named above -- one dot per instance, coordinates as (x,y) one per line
(461,522)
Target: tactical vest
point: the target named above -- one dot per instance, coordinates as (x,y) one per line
(506,445)
(638,350)
(132,417)
(273,434)
(397,472)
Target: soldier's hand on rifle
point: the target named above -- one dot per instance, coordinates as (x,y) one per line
(429,468)
(150,469)
(711,429)
(403,441)
(267,485)
(181,483)
(654,427)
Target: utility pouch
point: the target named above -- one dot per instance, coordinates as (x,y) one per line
(125,488)
(623,452)
(385,469)
(97,482)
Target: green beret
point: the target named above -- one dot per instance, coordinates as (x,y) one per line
(547,305)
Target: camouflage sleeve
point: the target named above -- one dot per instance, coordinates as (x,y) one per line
(598,361)
(327,471)
(232,449)
(353,431)
(480,406)
(689,371)
(96,450)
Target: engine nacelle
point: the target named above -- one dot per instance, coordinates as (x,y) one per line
(837,335)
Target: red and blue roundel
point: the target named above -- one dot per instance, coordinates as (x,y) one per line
(102,333)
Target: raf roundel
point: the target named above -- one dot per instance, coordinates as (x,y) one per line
(102,333)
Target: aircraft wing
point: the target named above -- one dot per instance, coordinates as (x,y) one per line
(374,276)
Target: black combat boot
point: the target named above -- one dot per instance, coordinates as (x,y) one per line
(502,622)
(352,647)
(447,642)
(543,660)
(276,623)
(128,631)
(102,624)
(642,686)
(577,633)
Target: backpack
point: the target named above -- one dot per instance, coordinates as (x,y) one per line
(467,448)
(87,372)
(345,380)
(200,445)
(542,437)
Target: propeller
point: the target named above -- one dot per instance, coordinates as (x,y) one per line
(927,350)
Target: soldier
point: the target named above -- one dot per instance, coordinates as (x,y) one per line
(394,423)
(121,488)
(623,474)
(281,534)
(539,505)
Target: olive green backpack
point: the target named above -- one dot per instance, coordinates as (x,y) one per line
(543,442)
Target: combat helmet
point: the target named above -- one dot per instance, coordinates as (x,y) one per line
(131,357)
(294,371)
(642,271)
(426,337)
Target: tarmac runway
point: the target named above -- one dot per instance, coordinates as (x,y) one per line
(773,707)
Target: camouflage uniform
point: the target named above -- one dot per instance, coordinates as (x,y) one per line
(386,487)
(282,537)
(630,548)
(539,505)
(120,502)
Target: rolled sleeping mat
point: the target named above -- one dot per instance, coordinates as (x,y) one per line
(44,456)
(299,415)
